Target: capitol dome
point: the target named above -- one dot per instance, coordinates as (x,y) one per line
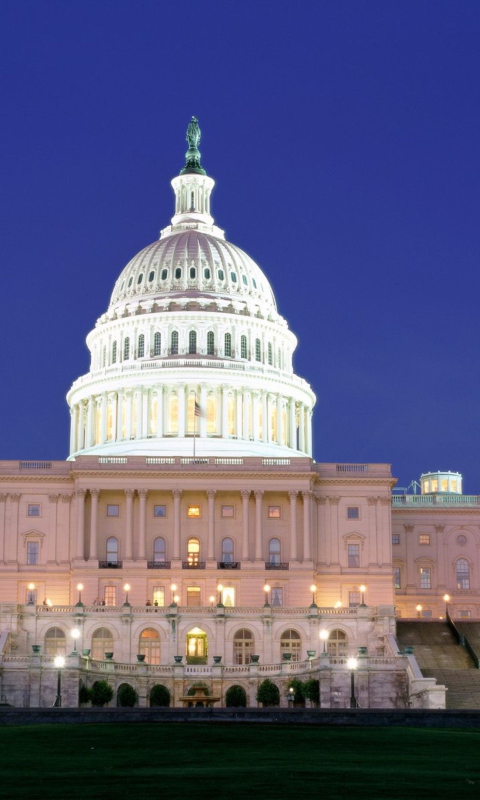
(191,354)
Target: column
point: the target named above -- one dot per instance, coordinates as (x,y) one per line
(177,493)
(258,524)
(80,495)
(145,413)
(246,405)
(103,419)
(73,429)
(333,502)
(120,416)
(307,545)
(255,417)
(113,403)
(94,493)
(181,411)
(279,431)
(224,412)
(238,407)
(203,411)
(129,524)
(160,412)
(301,428)
(308,423)
(128,399)
(211,524)
(64,528)
(12,528)
(293,425)
(245,509)
(139,409)
(89,438)
(264,418)
(409,547)
(3,498)
(372,530)
(322,534)
(142,522)
(293,526)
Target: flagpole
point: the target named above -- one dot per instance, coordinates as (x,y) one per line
(194,425)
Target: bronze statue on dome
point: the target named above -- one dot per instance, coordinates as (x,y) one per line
(192,156)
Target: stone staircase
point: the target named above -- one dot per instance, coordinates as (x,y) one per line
(439,656)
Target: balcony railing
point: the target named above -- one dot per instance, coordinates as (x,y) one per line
(228,565)
(158,564)
(278,565)
(403,500)
(110,564)
(193,565)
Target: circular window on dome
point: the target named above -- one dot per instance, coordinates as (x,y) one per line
(461,540)
(164,274)
(140,278)
(193,273)
(233,277)
(207,274)
(221,275)
(151,276)
(130,282)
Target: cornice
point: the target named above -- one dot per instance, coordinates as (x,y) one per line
(158,474)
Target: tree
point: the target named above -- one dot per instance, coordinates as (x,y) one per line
(159,696)
(311,690)
(126,696)
(101,693)
(83,695)
(236,697)
(298,691)
(268,693)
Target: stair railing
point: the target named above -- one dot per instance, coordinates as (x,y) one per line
(463,640)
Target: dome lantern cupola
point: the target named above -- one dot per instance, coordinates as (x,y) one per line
(192,187)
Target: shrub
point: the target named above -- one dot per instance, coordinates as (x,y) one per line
(311,690)
(268,693)
(101,693)
(126,696)
(83,695)
(159,696)
(236,697)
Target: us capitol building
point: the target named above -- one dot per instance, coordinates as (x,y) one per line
(190,540)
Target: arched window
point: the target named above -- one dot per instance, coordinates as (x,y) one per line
(243,347)
(126,348)
(149,646)
(243,644)
(112,550)
(337,643)
(227,551)
(159,550)
(141,346)
(228,345)
(270,354)
(274,551)
(174,346)
(193,273)
(55,642)
(102,642)
(291,643)
(193,552)
(114,353)
(192,342)
(178,273)
(157,344)
(210,343)
(258,350)
(463,574)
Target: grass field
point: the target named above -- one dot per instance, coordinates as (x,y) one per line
(224,762)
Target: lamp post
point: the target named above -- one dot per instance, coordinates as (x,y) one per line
(324,638)
(219,595)
(313,590)
(290,696)
(338,604)
(75,634)
(363,589)
(419,610)
(446,597)
(59,663)
(352,665)
(212,599)
(126,589)
(266,589)
(31,598)
(79,589)
(173,589)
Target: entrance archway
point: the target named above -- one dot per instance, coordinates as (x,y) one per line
(196,646)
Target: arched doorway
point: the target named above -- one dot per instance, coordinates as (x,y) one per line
(196,646)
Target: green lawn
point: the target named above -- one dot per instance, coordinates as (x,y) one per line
(227,761)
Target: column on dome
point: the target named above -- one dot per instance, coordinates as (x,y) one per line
(181,410)
(308,424)
(203,411)
(94,494)
(293,425)
(3,498)
(307,545)
(224,411)
(293,525)
(211,524)
(145,413)
(239,416)
(89,437)
(301,428)
(73,430)
(177,493)
(129,524)
(128,400)
(280,419)
(160,411)
(80,433)
(264,417)
(80,500)
(119,416)
(245,509)
(142,522)
(113,414)
(255,416)
(103,419)
(138,412)
(258,524)
(246,405)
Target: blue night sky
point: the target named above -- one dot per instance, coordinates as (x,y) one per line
(344,139)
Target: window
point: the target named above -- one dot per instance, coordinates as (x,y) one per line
(291,643)
(243,644)
(228,596)
(274,512)
(102,642)
(244,279)
(353,552)
(33,510)
(424,538)
(243,347)
(31,596)
(221,275)
(353,512)
(164,274)
(33,551)
(425,578)
(270,354)
(110,595)
(228,345)
(193,552)
(157,344)
(140,279)
(233,277)
(395,538)
(464,614)
(397,577)
(210,343)
(159,549)
(207,274)
(55,642)
(192,342)
(337,643)
(130,281)
(254,283)
(193,273)
(274,551)
(141,346)
(354,599)
(258,350)
(193,512)
(227,550)
(112,511)
(149,646)
(193,596)
(159,511)
(228,511)
(463,574)
(174,347)
(126,348)
(159,596)
(277,596)
(151,276)
(178,273)
(112,550)
(114,353)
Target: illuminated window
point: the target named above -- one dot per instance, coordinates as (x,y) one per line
(159,511)
(243,347)
(126,348)
(353,552)
(228,596)
(157,344)
(426,486)
(159,596)
(434,485)
(31,596)
(173,414)
(192,342)
(112,550)
(193,512)
(464,614)
(227,550)
(243,644)
(270,354)
(274,551)
(228,511)
(174,347)
(193,596)
(291,643)
(228,345)
(112,511)
(210,343)
(395,538)
(353,512)
(274,512)
(110,595)
(354,599)
(149,646)
(277,596)
(141,346)
(444,485)
(159,549)
(55,642)
(258,350)
(337,643)
(424,538)
(211,415)
(193,552)
(33,510)
(463,574)
(114,353)
(453,484)
(425,578)
(33,552)
(102,642)
(397,577)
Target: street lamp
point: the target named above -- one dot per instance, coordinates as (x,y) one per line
(174,589)
(419,610)
(79,589)
(219,595)
(352,665)
(176,598)
(363,589)
(324,637)
(75,634)
(59,663)
(313,589)
(212,599)
(266,589)
(31,597)
(290,696)
(126,589)
(446,597)
(338,604)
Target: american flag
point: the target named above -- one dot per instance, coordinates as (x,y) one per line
(198,411)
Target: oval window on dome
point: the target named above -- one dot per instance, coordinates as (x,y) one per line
(130,282)
(151,276)
(193,273)
(221,275)
(207,274)
(244,279)
(140,278)
(178,273)
(122,286)
(233,277)
(164,274)
(254,283)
